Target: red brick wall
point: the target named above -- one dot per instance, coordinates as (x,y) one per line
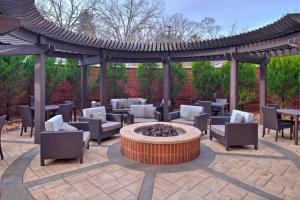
(188,93)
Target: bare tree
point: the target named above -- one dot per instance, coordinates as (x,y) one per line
(66,13)
(209,28)
(178,28)
(127,20)
(86,24)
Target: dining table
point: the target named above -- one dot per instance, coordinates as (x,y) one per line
(54,107)
(295,114)
(220,105)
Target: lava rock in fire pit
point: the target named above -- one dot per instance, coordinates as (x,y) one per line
(160,130)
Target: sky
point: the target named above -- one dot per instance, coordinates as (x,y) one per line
(247,14)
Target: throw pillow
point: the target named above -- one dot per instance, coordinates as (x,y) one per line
(149,112)
(238,118)
(192,114)
(67,127)
(99,115)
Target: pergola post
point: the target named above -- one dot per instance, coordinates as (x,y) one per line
(166,66)
(39,96)
(262,84)
(233,84)
(103,79)
(83,86)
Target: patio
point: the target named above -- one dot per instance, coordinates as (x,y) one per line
(272,172)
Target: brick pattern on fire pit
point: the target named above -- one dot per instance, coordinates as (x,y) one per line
(160,150)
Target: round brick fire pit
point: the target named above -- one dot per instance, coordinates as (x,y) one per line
(160,150)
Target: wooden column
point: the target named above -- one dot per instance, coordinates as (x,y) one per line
(83,86)
(233,84)
(166,66)
(262,85)
(39,96)
(103,80)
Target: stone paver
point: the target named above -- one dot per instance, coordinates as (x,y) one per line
(266,170)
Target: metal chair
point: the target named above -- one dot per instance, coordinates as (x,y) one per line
(66,111)
(2,121)
(27,119)
(271,121)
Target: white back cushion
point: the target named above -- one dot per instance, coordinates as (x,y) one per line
(248,117)
(143,101)
(88,111)
(138,110)
(186,109)
(114,103)
(54,123)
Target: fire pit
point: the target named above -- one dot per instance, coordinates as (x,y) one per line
(160,143)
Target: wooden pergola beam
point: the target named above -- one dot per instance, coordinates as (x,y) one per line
(103,78)
(83,84)
(15,50)
(166,67)
(233,84)
(91,60)
(8,24)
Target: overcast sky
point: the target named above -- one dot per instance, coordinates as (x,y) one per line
(247,14)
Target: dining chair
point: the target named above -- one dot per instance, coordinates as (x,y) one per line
(66,111)
(271,121)
(2,121)
(27,119)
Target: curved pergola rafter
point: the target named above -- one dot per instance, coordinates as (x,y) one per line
(24,31)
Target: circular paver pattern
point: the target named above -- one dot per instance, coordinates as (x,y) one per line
(242,173)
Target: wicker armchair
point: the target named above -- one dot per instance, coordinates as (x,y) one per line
(230,133)
(99,130)
(206,106)
(137,114)
(27,119)
(56,144)
(2,121)
(200,120)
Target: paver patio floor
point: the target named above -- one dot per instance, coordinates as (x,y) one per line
(272,172)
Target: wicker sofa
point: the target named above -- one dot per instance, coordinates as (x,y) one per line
(60,141)
(123,105)
(237,130)
(191,115)
(143,113)
(102,128)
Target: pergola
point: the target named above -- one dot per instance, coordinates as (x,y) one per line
(24,31)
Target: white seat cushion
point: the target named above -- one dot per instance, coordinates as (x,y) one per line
(88,111)
(54,123)
(109,126)
(183,121)
(143,120)
(248,117)
(218,129)
(139,110)
(67,127)
(185,111)
(86,137)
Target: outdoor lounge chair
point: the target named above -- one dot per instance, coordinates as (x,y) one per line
(271,121)
(102,124)
(143,113)
(191,115)
(61,141)
(237,130)
(27,119)
(2,121)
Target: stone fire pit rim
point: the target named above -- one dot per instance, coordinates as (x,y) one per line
(191,133)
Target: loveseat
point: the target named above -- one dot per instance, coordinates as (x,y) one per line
(121,106)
